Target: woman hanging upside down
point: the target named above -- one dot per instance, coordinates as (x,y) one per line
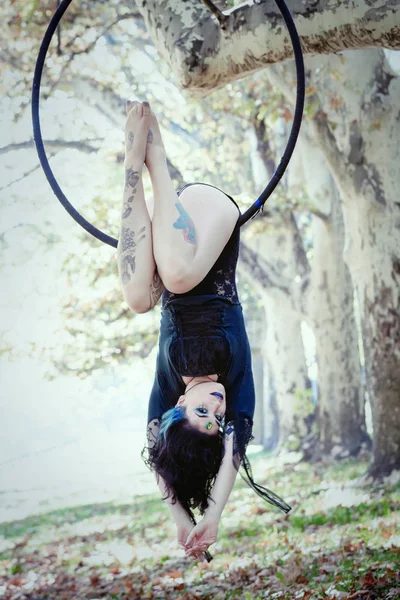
(201,407)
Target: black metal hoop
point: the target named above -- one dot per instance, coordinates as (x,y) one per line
(298,115)
(250,212)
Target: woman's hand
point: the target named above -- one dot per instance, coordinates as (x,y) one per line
(183,526)
(202,536)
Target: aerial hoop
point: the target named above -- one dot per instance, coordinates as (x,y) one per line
(250,212)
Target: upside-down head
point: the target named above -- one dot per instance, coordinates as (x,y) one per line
(187,458)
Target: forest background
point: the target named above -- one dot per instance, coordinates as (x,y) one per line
(319,267)
(318,278)
(318,287)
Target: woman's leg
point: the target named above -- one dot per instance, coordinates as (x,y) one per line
(190,231)
(137,269)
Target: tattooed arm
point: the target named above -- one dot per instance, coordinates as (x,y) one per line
(141,284)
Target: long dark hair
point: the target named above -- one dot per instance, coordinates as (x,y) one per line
(187,460)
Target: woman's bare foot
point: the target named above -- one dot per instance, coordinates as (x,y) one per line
(155,151)
(136,133)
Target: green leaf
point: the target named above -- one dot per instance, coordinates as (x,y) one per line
(15,569)
(280,576)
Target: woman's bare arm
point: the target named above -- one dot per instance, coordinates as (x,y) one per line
(224,482)
(135,254)
(206,531)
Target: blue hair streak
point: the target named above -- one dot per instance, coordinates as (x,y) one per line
(173,415)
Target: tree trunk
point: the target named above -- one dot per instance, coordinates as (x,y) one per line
(205,55)
(283,346)
(270,437)
(365,161)
(273,259)
(330,313)
(285,351)
(254,328)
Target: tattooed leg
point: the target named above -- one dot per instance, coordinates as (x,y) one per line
(205,217)
(136,132)
(182,261)
(131,178)
(127,209)
(129,241)
(155,150)
(185,222)
(173,252)
(136,263)
(156,288)
(127,264)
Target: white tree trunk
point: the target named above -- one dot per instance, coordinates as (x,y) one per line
(330,313)
(255,329)
(283,346)
(204,55)
(364,154)
(285,351)
(275,261)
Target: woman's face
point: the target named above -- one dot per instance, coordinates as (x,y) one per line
(205,405)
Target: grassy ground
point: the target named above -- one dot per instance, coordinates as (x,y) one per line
(323,549)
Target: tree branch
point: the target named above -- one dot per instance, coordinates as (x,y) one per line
(83,146)
(262,271)
(264,147)
(90,46)
(204,57)
(23,176)
(175,174)
(301,260)
(317,213)
(124,314)
(327,143)
(222,18)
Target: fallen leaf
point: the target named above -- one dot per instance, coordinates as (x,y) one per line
(174,574)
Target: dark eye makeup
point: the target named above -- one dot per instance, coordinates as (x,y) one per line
(203,410)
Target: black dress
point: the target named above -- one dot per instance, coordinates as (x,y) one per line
(203,332)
